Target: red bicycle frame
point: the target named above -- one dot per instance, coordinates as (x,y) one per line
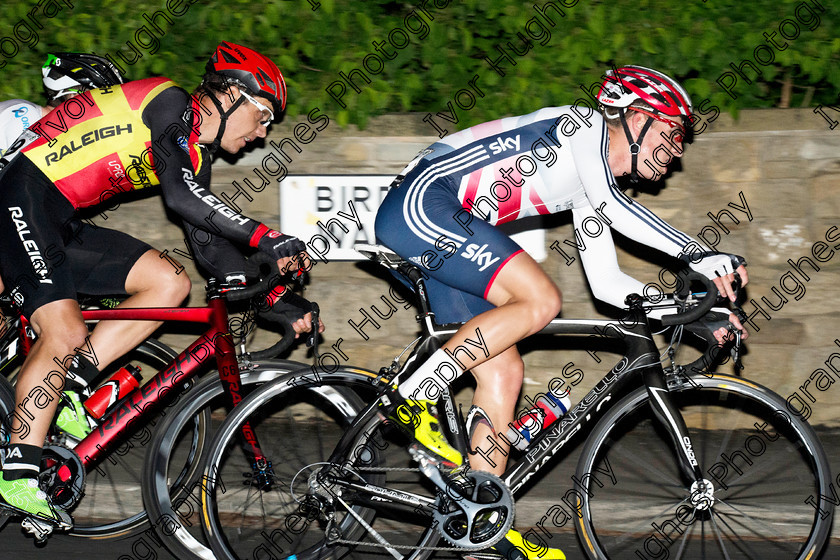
(216,343)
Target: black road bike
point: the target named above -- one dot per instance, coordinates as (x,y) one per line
(677,462)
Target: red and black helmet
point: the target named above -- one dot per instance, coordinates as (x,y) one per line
(625,85)
(249,69)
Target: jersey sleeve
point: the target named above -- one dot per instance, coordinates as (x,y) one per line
(16,116)
(184,172)
(216,255)
(619,211)
(600,263)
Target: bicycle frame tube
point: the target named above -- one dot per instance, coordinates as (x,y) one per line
(216,343)
(641,357)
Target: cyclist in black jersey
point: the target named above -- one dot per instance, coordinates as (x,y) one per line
(110,141)
(127,266)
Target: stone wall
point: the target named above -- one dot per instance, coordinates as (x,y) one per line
(774,172)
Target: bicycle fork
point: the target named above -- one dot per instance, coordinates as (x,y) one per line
(701,494)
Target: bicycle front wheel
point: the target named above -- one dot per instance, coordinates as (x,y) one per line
(765,478)
(299,505)
(171,479)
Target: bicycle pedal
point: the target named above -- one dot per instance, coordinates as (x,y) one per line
(38,528)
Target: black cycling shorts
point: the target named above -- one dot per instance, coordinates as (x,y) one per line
(48,255)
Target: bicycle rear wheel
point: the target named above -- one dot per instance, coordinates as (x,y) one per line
(765,479)
(298,420)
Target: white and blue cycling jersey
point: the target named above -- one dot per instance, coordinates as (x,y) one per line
(16,115)
(445,203)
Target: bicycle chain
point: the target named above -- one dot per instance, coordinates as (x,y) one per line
(404,546)
(398,546)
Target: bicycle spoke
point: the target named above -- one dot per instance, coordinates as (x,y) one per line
(719,537)
(772,532)
(763,506)
(684,541)
(644,470)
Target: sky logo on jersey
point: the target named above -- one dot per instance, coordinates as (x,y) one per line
(504,144)
(477,254)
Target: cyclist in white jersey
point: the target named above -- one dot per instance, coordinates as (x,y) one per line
(442,211)
(16,115)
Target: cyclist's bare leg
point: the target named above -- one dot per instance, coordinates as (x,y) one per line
(152,282)
(60,331)
(526,300)
(498,382)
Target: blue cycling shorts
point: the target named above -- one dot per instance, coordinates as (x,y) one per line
(423,221)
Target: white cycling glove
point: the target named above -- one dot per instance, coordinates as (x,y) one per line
(715,265)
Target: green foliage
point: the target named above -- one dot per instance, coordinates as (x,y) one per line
(695,41)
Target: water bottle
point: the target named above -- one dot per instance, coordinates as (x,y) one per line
(548,408)
(125,380)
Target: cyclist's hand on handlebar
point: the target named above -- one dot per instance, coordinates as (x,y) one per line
(724,283)
(304,325)
(720,268)
(300,261)
(725,334)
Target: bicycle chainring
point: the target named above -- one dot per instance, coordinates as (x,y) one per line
(480,516)
(62,476)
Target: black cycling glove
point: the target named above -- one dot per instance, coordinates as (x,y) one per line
(279,245)
(291,306)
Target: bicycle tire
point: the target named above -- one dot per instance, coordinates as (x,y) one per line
(763,465)
(7,405)
(318,408)
(112,505)
(169,496)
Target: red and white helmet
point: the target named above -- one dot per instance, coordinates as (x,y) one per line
(627,84)
(251,70)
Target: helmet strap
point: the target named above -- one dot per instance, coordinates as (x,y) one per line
(635,145)
(223,116)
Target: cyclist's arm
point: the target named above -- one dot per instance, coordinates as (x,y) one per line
(184,174)
(600,263)
(610,285)
(216,255)
(589,150)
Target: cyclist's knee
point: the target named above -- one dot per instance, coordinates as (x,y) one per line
(164,278)
(544,306)
(60,329)
(176,287)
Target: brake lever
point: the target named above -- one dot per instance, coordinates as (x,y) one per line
(312,339)
(300,274)
(736,353)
